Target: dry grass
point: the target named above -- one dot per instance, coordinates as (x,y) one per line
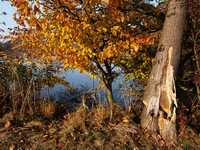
(86,129)
(47,108)
(18,89)
(21,87)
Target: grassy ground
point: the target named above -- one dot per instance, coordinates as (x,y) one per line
(51,127)
(85,129)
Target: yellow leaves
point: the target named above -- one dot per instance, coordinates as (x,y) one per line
(114,32)
(37,4)
(92,75)
(72,5)
(105,1)
(63,32)
(81,35)
(109,52)
(134,46)
(22,6)
(115,29)
(50,35)
(85,25)
(99,30)
(104,29)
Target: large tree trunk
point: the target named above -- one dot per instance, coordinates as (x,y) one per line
(159,113)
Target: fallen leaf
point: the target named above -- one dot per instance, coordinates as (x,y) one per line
(61,145)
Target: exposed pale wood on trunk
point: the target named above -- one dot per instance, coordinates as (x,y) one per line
(159,113)
(168,92)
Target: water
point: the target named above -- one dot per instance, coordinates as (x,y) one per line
(83,81)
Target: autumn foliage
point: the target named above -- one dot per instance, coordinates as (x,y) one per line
(104,39)
(95,36)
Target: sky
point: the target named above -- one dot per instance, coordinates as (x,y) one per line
(8,19)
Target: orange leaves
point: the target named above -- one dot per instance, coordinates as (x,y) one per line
(109,52)
(148,39)
(140,41)
(22,6)
(106,55)
(26,12)
(123,44)
(57,51)
(79,33)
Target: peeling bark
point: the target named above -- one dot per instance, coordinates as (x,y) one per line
(168,91)
(159,113)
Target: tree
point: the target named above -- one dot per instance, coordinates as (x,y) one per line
(193,23)
(94,36)
(159,113)
(188,81)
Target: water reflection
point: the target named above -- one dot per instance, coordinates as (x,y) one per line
(84,83)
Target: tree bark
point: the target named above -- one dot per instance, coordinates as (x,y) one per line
(159,113)
(110,99)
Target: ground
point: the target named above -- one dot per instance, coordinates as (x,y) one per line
(86,129)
